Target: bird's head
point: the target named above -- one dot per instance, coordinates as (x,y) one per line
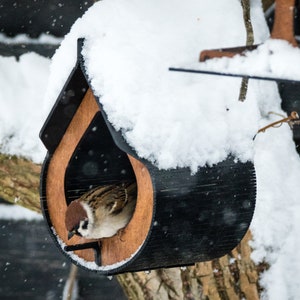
(76,220)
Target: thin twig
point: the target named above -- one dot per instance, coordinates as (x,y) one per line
(249,42)
(291,120)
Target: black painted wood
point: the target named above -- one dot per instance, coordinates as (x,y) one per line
(64,109)
(96,161)
(290,95)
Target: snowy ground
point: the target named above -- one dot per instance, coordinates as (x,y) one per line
(14,212)
(174,119)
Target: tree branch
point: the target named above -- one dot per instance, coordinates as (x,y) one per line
(249,42)
(19,181)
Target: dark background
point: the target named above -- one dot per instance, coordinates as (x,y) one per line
(32,267)
(36,17)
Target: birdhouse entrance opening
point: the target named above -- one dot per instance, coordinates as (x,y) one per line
(95,162)
(85,158)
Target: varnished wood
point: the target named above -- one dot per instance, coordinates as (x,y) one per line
(55,191)
(129,240)
(125,244)
(218,53)
(283,27)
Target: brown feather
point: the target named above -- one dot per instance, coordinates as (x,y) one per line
(113,197)
(74,214)
(122,195)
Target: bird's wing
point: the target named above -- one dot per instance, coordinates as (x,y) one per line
(123,195)
(121,198)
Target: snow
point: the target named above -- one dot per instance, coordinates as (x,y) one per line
(276,223)
(177,119)
(15,212)
(147,102)
(23,38)
(273,59)
(23,84)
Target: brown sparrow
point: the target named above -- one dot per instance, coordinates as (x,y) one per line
(101,212)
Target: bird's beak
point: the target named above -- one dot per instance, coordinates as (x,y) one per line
(71,234)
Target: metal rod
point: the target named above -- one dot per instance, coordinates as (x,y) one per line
(93,245)
(232,75)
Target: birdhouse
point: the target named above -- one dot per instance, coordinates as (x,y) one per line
(179,219)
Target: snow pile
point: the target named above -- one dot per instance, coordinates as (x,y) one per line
(276,222)
(23,85)
(171,119)
(273,59)
(24,39)
(16,212)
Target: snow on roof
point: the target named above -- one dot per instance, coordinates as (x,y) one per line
(16,212)
(171,119)
(22,87)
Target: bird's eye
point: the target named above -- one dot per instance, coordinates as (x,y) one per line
(85,224)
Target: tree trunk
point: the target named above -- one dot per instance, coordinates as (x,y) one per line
(230,277)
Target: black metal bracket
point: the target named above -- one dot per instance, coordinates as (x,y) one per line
(93,245)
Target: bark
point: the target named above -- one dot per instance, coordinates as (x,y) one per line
(230,277)
(19,181)
(249,38)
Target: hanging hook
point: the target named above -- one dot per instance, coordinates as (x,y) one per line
(291,120)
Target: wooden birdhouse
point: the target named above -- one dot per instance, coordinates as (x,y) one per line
(179,218)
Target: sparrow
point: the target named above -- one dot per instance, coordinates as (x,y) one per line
(102,211)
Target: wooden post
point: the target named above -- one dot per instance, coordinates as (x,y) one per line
(283,27)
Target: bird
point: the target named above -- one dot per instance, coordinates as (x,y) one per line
(102,211)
